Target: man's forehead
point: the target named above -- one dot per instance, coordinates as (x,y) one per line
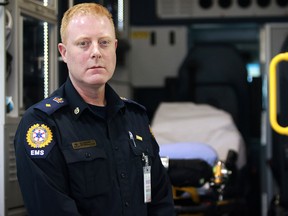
(82,18)
(98,26)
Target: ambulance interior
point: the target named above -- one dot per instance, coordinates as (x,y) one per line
(201,69)
(208,103)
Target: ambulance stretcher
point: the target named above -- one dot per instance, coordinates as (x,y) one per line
(196,143)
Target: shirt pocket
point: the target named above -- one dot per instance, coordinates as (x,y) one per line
(140,149)
(89,171)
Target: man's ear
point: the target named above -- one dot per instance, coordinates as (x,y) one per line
(116,43)
(62,51)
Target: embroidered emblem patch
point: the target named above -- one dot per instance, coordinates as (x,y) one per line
(39,136)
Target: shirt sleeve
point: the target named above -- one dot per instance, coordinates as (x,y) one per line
(41,169)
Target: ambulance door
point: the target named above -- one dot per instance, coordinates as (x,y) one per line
(274,167)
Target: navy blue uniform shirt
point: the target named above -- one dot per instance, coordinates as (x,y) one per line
(73,159)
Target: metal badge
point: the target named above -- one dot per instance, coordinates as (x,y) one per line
(76,110)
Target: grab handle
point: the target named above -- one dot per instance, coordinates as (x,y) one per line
(273,93)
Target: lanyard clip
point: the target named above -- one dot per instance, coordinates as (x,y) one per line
(145,159)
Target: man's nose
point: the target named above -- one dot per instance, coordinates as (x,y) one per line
(95,52)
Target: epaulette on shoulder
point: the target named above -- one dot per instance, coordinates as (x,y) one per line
(51,104)
(133,103)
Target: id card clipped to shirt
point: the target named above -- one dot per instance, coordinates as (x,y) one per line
(147,179)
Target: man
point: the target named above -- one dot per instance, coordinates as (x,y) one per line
(84,150)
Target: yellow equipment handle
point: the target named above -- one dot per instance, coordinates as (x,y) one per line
(273,93)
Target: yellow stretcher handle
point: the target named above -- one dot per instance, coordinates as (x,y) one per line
(273,93)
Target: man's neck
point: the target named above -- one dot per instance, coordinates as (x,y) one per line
(93,95)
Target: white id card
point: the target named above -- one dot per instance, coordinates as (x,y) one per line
(147,183)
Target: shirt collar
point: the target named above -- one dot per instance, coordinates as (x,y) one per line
(78,105)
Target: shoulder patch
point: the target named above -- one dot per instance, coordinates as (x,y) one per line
(51,104)
(39,141)
(133,103)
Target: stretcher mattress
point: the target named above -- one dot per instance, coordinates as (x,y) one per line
(177,151)
(182,127)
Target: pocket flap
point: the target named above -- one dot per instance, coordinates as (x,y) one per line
(142,147)
(87,154)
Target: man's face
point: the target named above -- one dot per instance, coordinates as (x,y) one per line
(89,50)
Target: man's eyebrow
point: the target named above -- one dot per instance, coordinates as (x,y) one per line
(83,37)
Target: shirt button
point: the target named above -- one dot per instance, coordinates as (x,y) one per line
(87,155)
(127,204)
(123,175)
(116,148)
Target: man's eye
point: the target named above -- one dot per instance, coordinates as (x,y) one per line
(104,43)
(83,43)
